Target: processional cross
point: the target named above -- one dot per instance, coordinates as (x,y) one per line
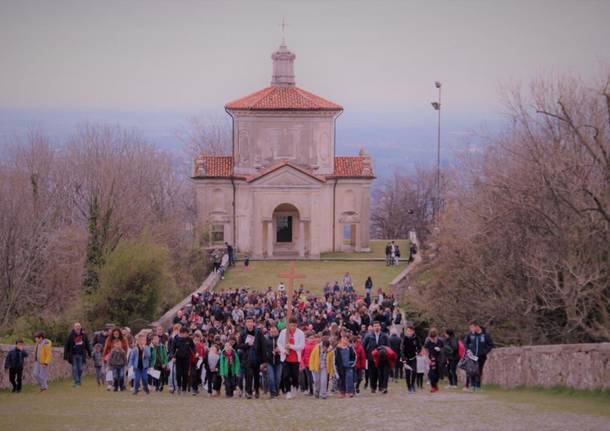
(291,275)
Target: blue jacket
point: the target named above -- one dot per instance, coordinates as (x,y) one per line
(132,361)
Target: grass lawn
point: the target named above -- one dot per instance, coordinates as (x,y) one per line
(264,273)
(92,408)
(556,399)
(377,251)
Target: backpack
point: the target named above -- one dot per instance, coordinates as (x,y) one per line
(382,355)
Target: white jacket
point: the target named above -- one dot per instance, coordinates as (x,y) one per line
(298,346)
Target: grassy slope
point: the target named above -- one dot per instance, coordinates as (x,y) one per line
(264,273)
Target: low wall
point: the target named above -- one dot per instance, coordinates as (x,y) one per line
(578,366)
(58,369)
(208,284)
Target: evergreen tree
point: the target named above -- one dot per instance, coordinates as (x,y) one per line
(94,259)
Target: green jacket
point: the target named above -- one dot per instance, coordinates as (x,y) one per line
(223,368)
(162,353)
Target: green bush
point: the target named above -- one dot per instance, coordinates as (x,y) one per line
(55,328)
(135,284)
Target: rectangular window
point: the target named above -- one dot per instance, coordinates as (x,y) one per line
(218,233)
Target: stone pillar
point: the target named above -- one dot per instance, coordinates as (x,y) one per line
(270,238)
(301,238)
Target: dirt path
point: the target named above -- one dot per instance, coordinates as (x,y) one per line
(92,408)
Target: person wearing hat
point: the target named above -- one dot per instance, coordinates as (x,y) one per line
(43,355)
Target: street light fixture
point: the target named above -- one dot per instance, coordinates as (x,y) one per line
(437,107)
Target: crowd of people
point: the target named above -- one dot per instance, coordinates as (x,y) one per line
(244,342)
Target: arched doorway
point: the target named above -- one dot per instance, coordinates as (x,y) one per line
(286,233)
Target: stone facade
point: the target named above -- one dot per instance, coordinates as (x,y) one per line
(578,366)
(284,192)
(58,369)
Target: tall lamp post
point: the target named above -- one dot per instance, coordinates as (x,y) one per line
(437,107)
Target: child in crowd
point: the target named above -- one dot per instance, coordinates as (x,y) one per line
(158,361)
(229,368)
(197,362)
(14,364)
(139,361)
(43,355)
(117,361)
(360,368)
(322,367)
(310,343)
(423,366)
(211,362)
(345,361)
(98,363)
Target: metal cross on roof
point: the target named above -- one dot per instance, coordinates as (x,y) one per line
(283,25)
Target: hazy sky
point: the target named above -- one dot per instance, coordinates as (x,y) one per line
(376,58)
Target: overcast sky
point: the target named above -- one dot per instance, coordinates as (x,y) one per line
(376,58)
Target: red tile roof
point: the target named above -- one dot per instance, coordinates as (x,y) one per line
(353,167)
(213,167)
(222,167)
(289,98)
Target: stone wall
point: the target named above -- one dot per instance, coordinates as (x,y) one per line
(208,284)
(58,369)
(578,366)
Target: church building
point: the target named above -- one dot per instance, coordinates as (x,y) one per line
(283,192)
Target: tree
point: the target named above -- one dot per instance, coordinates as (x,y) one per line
(94,261)
(403,203)
(206,135)
(525,236)
(135,282)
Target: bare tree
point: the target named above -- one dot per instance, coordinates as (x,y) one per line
(206,135)
(525,234)
(402,203)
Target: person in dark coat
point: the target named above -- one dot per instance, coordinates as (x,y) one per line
(395,342)
(252,343)
(370,343)
(230,254)
(183,348)
(273,361)
(345,361)
(76,349)
(434,348)
(14,364)
(479,342)
(409,350)
(452,357)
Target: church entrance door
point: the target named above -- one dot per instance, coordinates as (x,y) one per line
(286,231)
(283,228)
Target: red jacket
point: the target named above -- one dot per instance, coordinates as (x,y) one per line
(309,346)
(391,356)
(360,356)
(199,353)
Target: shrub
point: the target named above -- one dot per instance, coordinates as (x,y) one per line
(135,283)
